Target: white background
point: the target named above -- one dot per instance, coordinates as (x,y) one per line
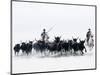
(5,37)
(29,19)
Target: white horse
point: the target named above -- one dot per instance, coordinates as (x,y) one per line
(90,42)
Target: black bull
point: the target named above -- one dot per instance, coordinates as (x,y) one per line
(41,46)
(25,47)
(60,46)
(79,47)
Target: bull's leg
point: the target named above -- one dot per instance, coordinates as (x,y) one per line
(27,53)
(82,52)
(48,52)
(52,52)
(41,52)
(71,51)
(15,52)
(45,52)
(30,51)
(23,52)
(65,51)
(61,52)
(75,52)
(85,50)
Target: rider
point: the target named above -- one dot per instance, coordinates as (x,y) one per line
(88,35)
(44,36)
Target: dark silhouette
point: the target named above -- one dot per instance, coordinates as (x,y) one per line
(55,46)
(81,46)
(44,36)
(75,45)
(78,46)
(88,35)
(17,48)
(23,47)
(29,47)
(40,46)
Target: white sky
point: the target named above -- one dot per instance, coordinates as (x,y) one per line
(68,20)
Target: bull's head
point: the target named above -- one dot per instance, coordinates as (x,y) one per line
(82,42)
(75,39)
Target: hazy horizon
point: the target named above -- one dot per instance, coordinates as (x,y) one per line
(29,19)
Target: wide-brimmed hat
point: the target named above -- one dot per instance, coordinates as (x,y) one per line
(44,29)
(89,29)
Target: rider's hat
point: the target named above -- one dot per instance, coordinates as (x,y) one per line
(89,29)
(44,29)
